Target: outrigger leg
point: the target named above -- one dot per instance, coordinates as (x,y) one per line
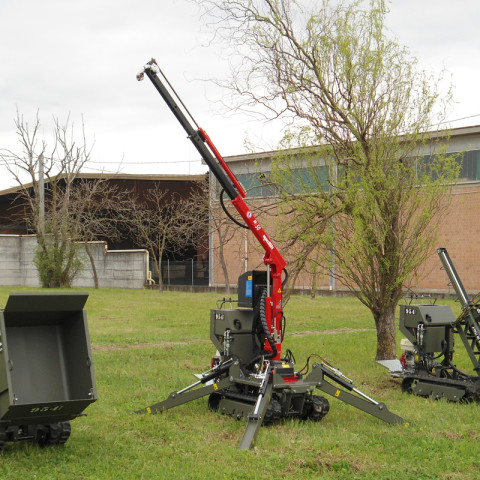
(191,393)
(361,400)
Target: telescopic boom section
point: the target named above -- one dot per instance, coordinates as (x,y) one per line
(207,150)
(453,277)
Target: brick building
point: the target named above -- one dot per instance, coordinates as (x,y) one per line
(459,230)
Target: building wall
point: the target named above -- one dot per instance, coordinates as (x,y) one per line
(115,268)
(458,232)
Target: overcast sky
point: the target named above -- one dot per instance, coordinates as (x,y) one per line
(79,58)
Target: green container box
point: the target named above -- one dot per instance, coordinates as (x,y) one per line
(46,368)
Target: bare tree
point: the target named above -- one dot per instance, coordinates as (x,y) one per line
(207,207)
(226,224)
(56,258)
(224,230)
(163,223)
(98,211)
(340,81)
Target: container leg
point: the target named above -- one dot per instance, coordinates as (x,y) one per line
(54,434)
(3,437)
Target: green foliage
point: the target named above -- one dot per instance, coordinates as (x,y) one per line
(145,346)
(57,262)
(362,204)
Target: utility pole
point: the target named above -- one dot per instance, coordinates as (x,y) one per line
(245,258)
(41,194)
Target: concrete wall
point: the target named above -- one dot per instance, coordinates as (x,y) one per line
(115,268)
(16,261)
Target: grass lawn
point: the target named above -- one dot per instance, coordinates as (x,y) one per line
(147,344)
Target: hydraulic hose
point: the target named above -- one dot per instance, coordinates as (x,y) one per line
(266,330)
(229,215)
(444,345)
(217,372)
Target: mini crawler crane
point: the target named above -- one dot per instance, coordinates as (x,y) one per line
(250,378)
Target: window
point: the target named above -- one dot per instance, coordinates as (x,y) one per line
(470,165)
(257,184)
(469,162)
(307,180)
(297,180)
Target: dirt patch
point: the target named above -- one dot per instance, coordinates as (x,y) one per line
(328,462)
(111,348)
(330,332)
(470,434)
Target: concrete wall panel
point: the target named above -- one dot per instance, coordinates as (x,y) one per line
(115,269)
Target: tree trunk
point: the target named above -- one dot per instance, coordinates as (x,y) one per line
(313,291)
(160,279)
(224,268)
(92,263)
(161,240)
(385,324)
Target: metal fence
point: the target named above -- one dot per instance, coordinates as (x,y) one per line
(187,272)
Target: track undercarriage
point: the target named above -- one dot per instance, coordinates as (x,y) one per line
(239,401)
(45,435)
(444,382)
